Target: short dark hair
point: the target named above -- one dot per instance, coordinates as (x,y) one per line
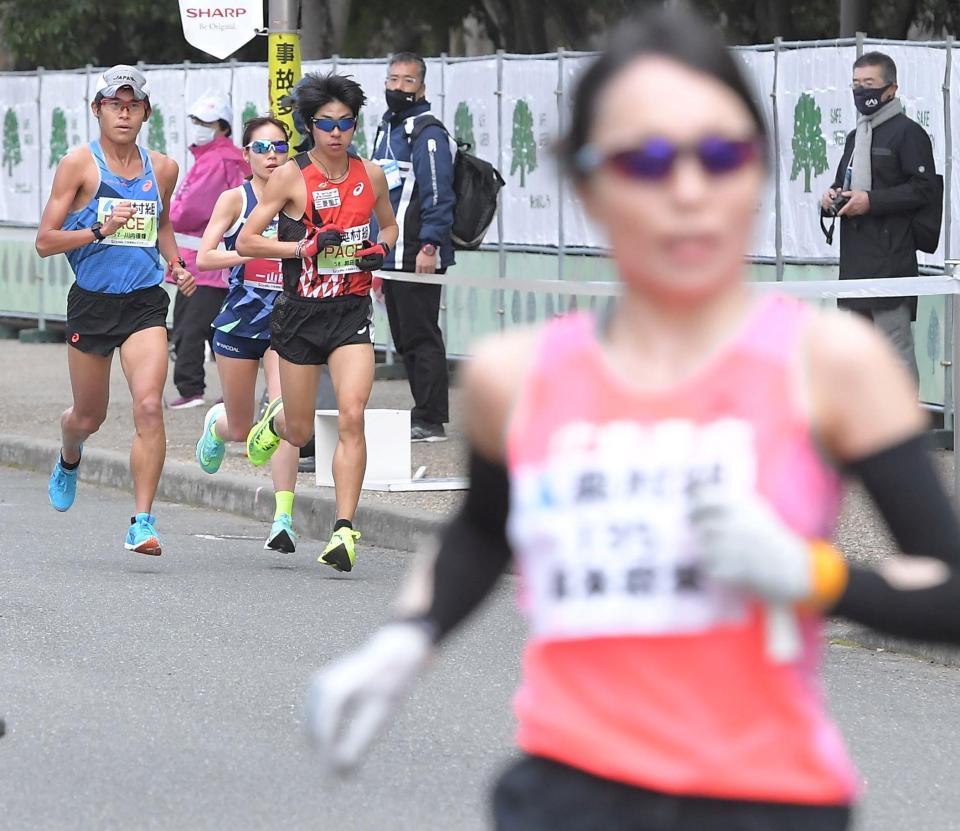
(254,124)
(314,90)
(888,69)
(410,57)
(226,126)
(679,35)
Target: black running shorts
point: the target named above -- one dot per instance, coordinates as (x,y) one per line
(98,322)
(537,794)
(308,331)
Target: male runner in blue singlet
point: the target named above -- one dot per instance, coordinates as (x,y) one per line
(108,213)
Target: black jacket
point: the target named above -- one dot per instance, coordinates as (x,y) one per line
(880,242)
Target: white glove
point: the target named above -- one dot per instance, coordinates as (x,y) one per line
(746,546)
(350,700)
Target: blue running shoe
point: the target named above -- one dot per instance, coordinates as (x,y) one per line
(210,448)
(142,537)
(62,489)
(281,536)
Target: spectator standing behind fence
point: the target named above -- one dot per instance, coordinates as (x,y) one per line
(219,166)
(885,176)
(414,151)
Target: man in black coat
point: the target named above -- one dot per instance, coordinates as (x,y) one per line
(885,176)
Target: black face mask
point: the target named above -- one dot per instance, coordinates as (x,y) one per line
(868,100)
(398,100)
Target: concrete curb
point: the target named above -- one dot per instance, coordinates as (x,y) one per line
(843,631)
(392,526)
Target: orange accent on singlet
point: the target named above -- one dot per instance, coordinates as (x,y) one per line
(349,205)
(637,669)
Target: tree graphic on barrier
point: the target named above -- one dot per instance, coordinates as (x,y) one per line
(58,137)
(156,138)
(809,145)
(522,142)
(463,125)
(360,139)
(11,141)
(249,111)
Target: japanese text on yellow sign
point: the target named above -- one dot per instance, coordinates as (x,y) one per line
(284,68)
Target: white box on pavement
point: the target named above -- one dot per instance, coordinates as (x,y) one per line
(388,445)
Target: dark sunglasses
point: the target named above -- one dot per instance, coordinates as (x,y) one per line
(328,125)
(654,159)
(262,146)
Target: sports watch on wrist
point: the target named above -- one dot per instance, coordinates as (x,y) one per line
(97,233)
(429,249)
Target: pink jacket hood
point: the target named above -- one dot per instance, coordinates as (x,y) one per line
(219,166)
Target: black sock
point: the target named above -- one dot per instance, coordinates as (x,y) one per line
(66,466)
(342,523)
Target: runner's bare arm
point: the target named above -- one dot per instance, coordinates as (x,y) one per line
(167,171)
(382,210)
(283,187)
(226,212)
(67,184)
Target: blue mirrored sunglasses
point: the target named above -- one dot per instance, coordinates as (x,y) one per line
(262,146)
(654,159)
(329,124)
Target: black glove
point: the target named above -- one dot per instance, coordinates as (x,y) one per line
(372,255)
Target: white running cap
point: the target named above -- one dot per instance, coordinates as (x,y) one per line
(119,76)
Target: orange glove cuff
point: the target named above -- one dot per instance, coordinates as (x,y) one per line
(829,572)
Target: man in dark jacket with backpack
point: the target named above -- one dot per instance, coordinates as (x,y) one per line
(417,158)
(885,179)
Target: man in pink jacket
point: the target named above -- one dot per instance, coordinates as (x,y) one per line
(219,166)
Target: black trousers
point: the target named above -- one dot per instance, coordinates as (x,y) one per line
(192,317)
(537,794)
(413,310)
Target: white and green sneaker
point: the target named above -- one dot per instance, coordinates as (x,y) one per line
(281,536)
(211,448)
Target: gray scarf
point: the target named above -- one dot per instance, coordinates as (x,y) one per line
(862,177)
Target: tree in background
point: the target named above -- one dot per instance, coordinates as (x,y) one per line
(58,137)
(360,139)
(11,141)
(156,138)
(523,143)
(249,111)
(809,145)
(463,125)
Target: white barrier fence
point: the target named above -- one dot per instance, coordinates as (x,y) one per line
(512,108)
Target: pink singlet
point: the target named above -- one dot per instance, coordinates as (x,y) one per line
(639,669)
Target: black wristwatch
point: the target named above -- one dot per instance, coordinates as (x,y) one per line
(96,231)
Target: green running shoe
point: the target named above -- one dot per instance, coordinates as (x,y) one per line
(341,550)
(210,448)
(281,536)
(262,442)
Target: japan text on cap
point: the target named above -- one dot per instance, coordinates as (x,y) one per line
(120,76)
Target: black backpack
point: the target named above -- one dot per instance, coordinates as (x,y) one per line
(927,220)
(476,185)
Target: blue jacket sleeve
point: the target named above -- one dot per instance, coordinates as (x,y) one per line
(433,168)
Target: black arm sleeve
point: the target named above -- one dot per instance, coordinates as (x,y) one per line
(906,489)
(474,551)
(931,614)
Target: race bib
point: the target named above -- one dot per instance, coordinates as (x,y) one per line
(263,274)
(392,171)
(604,534)
(326,199)
(141,228)
(342,259)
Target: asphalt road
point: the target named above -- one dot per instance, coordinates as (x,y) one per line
(165,693)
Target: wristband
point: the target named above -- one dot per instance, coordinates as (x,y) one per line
(829,573)
(298,251)
(182,262)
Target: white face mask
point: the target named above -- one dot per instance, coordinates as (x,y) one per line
(199,135)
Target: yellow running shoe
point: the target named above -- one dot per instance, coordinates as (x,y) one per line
(341,550)
(261,440)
